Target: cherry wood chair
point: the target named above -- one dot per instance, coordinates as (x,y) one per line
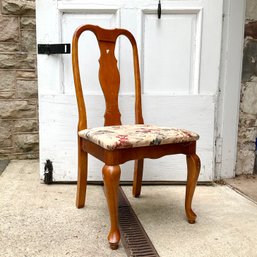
(115,144)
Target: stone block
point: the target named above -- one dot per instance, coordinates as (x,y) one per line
(251,29)
(27,142)
(7,95)
(9,47)
(245,162)
(254,79)
(11,155)
(29,155)
(26,74)
(26,61)
(4,152)
(33,101)
(249,101)
(30,125)
(247,120)
(9,29)
(17,109)
(18,7)
(248,133)
(28,23)
(251,10)
(7,80)
(28,41)
(17,61)
(27,89)
(5,134)
(8,61)
(249,68)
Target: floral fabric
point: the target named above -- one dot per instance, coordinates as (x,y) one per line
(128,136)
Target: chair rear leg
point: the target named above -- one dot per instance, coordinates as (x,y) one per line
(82,176)
(111,177)
(138,176)
(193,170)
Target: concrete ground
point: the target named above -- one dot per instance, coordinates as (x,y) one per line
(246,184)
(41,220)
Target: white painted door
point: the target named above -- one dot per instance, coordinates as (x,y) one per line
(179,59)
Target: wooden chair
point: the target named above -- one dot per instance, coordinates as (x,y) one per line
(115,144)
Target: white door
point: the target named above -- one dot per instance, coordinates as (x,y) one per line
(179,59)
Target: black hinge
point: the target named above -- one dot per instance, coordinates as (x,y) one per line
(53,49)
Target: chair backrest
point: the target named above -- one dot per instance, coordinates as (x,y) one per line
(109,75)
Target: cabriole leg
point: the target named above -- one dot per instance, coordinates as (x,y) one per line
(111,177)
(193,170)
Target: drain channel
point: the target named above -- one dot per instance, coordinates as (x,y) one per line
(133,236)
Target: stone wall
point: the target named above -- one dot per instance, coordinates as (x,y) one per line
(247,132)
(18,81)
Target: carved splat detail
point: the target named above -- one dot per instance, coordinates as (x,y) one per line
(109,78)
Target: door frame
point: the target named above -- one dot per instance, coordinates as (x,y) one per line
(228,101)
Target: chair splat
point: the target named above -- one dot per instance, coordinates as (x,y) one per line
(109,78)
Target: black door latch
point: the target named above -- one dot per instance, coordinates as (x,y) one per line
(53,49)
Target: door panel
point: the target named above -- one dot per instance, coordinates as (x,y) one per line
(169,53)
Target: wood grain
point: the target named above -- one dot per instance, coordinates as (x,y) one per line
(111,177)
(109,78)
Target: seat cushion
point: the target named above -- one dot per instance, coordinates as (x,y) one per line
(128,136)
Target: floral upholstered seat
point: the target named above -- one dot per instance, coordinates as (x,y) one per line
(128,136)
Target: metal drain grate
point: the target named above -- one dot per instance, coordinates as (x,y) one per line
(133,236)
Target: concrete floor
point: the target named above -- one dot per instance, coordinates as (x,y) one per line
(41,220)
(246,184)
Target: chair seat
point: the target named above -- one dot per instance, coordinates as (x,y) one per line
(129,136)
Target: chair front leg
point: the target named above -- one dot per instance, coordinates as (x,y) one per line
(82,176)
(111,177)
(138,175)
(193,170)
